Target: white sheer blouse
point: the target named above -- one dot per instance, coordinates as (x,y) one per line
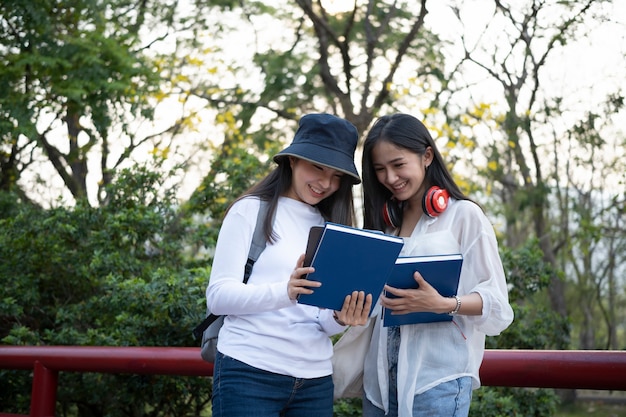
(433,353)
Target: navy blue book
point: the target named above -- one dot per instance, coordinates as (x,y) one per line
(348,259)
(440,271)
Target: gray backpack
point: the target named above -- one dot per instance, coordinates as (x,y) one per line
(211,325)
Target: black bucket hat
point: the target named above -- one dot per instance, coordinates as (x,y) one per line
(326,140)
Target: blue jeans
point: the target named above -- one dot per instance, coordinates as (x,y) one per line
(241,390)
(448,399)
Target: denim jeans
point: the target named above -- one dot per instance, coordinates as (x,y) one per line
(448,399)
(241,390)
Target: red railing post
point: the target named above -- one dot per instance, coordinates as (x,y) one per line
(44,392)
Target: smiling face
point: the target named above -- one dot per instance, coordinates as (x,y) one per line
(401,171)
(311,183)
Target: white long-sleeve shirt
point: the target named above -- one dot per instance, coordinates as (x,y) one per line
(432,353)
(263,327)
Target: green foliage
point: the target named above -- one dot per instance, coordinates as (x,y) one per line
(526,271)
(109,276)
(14,391)
(132,395)
(513,402)
(348,407)
(82,64)
(8,205)
(611,407)
(241,163)
(157,311)
(536,326)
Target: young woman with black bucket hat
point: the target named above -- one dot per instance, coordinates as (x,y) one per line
(273,354)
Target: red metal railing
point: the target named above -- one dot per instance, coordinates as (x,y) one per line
(603,370)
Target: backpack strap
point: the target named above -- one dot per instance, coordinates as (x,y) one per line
(258,241)
(256,247)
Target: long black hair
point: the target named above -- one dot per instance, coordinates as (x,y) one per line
(336,208)
(407,132)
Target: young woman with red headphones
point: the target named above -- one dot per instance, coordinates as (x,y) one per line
(428,369)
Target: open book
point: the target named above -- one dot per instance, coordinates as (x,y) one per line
(348,259)
(440,271)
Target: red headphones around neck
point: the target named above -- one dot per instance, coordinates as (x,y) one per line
(434,203)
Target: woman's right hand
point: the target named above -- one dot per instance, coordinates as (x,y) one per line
(298,285)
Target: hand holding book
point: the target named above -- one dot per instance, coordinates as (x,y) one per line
(355,310)
(347,259)
(298,284)
(412,298)
(356,306)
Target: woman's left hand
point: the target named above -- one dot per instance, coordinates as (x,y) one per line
(355,310)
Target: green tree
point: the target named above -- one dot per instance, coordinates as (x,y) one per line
(115,275)
(76,82)
(595,240)
(353,64)
(542,145)
(536,326)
